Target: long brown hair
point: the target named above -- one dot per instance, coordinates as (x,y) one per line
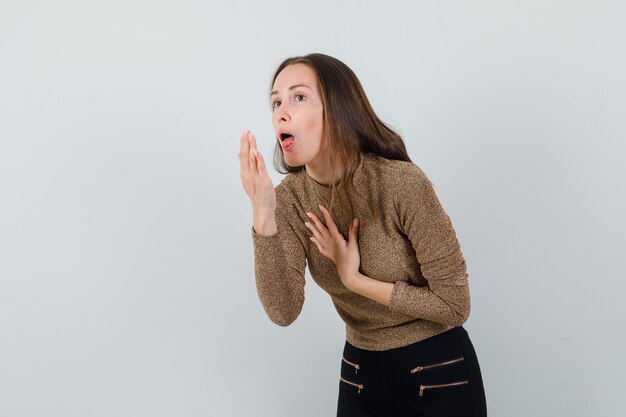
(351,127)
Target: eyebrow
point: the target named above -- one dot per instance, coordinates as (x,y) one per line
(291,88)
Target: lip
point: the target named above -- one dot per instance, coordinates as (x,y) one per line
(282,132)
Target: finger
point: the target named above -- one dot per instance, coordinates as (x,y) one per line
(314,230)
(245,146)
(251,148)
(252,163)
(322,250)
(243,142)
(244,149)
(316,242)
(252,141)
(255,152)
(318,223)
(332,227)
(260,162)
(354,231)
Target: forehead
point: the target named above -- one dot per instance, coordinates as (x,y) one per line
(295,74)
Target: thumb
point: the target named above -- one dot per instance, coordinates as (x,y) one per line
(354,231)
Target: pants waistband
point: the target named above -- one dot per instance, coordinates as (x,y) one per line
(433,342)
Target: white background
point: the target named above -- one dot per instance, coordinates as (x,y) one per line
(126,264)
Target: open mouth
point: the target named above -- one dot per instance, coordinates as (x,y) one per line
(286,140)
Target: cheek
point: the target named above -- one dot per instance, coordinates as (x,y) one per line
(316,126)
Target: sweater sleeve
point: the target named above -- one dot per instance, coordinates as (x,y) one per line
(279,263)
(446,298)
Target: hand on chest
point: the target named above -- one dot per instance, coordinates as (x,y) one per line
(385,252)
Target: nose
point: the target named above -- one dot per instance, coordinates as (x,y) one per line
(281,114)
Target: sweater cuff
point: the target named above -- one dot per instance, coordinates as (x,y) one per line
(396,295)
(255,235)
(404,297)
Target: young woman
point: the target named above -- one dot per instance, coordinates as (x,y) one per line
(375,237)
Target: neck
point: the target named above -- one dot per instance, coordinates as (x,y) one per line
(320,172)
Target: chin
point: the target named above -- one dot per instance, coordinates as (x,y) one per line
(293,162)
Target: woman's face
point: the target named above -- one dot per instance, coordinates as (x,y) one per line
(298,115)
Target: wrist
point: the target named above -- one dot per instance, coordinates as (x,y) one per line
(351,280)
(373,289)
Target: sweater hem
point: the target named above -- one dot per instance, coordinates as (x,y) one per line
(413,333)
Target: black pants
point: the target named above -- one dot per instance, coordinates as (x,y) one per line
(438,377)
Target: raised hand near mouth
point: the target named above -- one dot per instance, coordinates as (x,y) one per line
(258,185)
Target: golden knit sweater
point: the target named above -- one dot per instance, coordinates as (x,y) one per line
(407,240)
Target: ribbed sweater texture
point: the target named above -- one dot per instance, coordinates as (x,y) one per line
(405,238)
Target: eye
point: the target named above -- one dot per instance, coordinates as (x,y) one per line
(275,104)
(299,97)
